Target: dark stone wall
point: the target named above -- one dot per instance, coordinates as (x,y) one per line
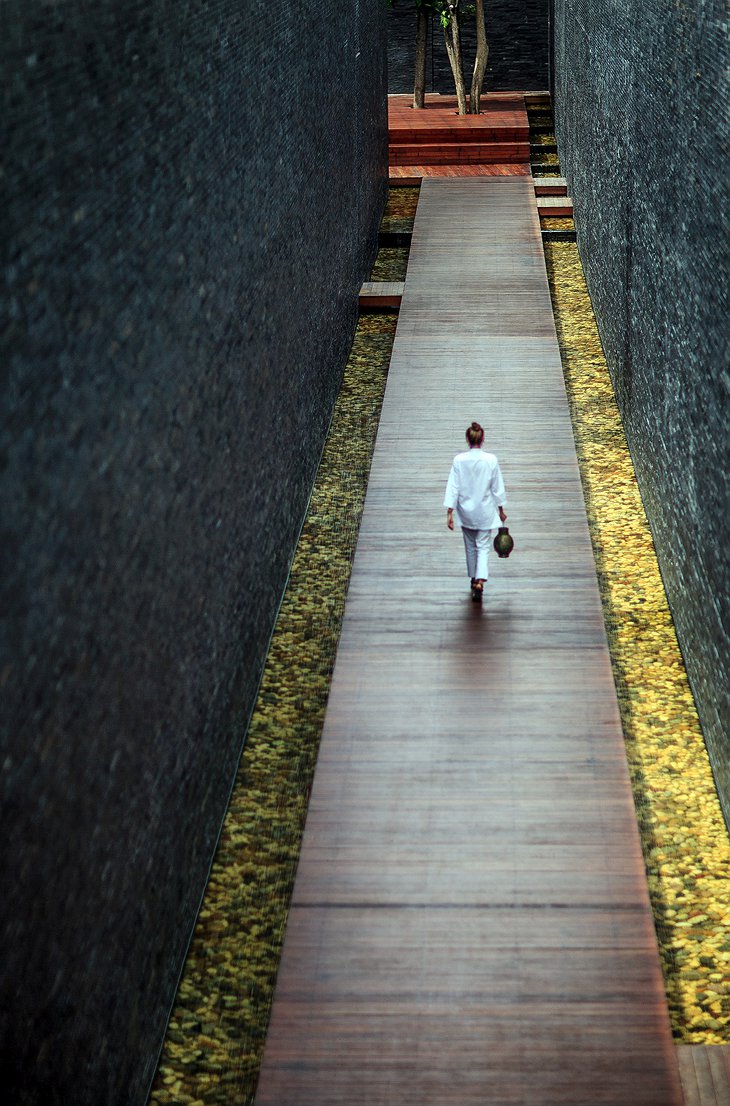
(641,107)
(518,37)
(194,193)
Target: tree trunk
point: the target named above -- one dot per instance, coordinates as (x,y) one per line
(480,61)
(419,83)
(452,35)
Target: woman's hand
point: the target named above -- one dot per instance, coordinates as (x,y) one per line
(503,514)
(450,518)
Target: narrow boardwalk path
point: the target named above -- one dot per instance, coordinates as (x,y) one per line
(470,921)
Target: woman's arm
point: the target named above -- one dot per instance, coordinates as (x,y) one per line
(451,498)
(498,492)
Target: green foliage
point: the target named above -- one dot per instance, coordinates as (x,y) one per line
(444,9)
(434,7)
(440,8)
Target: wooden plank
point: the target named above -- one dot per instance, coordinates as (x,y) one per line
(458,153)
(705,1074)
(470,921)
(719,1061)
(687,1076)
(476,132)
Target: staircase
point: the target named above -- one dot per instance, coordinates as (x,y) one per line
(437,141)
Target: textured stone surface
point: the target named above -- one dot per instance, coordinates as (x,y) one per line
(642,121)
(518,37)
(193,205)
(216,1036)
(683,835)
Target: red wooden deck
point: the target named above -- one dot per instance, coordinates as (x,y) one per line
(502,113)
(470,922)
(436,141)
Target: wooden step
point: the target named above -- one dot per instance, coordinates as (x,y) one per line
(554,205)
(409,176)
(458,153)
(404,178)
(381,295)
(429,135)
(551,186)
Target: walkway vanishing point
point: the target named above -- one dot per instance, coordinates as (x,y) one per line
(470,921)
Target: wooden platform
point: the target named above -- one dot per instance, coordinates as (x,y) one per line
(470,922)
(437,141)
(502,112)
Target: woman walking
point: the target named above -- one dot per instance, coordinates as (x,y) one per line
(475,490)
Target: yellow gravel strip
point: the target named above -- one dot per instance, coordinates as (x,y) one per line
(215,1039)
(685,839)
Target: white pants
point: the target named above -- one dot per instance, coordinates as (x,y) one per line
(477,544)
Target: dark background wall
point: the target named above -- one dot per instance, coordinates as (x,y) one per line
(641,106)
(193,202)
(517,33)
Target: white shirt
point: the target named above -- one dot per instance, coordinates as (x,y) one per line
(476,489)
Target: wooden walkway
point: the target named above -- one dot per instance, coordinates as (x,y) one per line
(470,922)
